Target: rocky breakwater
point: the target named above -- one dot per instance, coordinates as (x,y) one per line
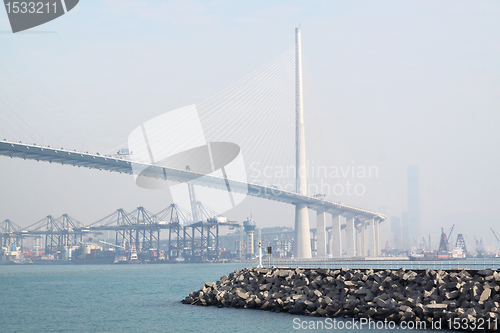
(451,297)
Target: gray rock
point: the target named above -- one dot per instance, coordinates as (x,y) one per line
(404,308)
(384,296)
(362,291)
(309,305)
(284,273)
(452,295)
(322,312)
(241,294)
(485,295)
(485,272)
(209,284)
(265,305)
(493,315)
(470,311)
(277,295)
(188,300)
(437,306)
(299,297)
(382,303)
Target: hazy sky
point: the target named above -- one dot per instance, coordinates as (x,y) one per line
(387,84)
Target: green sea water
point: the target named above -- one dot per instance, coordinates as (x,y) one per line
(130,298)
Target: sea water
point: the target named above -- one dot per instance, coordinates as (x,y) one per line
(133,298)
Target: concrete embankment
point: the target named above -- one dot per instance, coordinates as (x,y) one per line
(392,295)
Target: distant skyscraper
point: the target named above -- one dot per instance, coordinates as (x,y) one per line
(413,204)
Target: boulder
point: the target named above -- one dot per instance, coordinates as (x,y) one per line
(436,306)
(485,272)
(241,294)
(382,303)
(452,295)
(485,295)
(209,284)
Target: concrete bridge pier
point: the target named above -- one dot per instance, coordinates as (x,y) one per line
(361,239)
(321,233)
(336,239)
(314,243)
(350,238)
(357,228)
(378,249)
(372,239)
(302,246)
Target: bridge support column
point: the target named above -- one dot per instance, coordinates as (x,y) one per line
(321,233)
(302,246)
(357,250)
(350,237)
(371,240)
(361,246)
(377,239)
(336,239)
(314,243)
(329,243)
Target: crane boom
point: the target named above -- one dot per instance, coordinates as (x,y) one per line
(425,244)
(449,236)
(120,246)
(494,234)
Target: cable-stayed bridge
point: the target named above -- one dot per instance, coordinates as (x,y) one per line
(357,218)
(263,115)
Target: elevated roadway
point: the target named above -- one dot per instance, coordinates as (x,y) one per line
(358,241)
(122,165)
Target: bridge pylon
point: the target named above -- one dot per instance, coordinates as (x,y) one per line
(302,246)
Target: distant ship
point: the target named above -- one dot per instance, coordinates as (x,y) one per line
(102,260)
(14,256)
(51,260)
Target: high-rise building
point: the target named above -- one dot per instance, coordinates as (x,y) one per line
(413,204)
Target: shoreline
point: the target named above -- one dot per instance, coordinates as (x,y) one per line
(459,299)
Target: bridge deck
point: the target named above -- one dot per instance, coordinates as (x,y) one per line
(115,164)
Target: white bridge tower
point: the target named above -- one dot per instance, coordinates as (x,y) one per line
(302,246)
